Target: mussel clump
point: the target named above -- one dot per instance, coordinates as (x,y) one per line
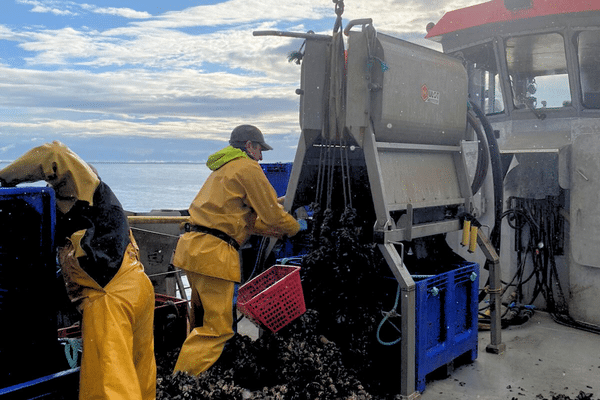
(296,364)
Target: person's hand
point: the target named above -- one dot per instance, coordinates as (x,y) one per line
(303,224)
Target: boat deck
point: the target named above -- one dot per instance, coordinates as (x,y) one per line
(542,359)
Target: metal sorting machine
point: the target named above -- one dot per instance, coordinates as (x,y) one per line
(389,116)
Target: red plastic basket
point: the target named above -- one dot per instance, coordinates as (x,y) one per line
(274,298)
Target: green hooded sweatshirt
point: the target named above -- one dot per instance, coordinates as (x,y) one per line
(222,157)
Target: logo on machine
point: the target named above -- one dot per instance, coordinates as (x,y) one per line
(430,96)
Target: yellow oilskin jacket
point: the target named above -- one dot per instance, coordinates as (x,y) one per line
(71,178)
(238,200)
(103,274)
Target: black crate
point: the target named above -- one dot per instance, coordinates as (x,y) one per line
(170,323)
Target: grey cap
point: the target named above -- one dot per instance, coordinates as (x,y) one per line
(243,133)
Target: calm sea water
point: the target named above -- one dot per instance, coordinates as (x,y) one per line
(146,187)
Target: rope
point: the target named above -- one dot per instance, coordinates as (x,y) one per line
(345,184)
(330,162)
(387,315)
(72,347)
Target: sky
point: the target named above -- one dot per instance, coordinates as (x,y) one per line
(156,80)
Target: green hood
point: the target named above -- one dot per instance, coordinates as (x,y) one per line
(222,157)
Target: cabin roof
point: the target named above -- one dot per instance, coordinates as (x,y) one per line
(497,11)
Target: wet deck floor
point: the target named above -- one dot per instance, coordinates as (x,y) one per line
(542,357)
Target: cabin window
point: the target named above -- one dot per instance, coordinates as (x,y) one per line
(537,68)
(484,81)
(588,51)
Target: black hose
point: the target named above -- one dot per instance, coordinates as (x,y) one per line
(497,178)
(482,155)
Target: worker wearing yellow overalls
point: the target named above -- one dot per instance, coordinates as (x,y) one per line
(103,274)
(236,201)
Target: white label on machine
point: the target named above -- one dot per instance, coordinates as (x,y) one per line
(430,96)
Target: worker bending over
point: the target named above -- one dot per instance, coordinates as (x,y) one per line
(235,202)
(103,275)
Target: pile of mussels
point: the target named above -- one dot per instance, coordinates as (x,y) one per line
(296,363)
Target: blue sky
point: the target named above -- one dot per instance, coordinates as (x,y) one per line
(129,80)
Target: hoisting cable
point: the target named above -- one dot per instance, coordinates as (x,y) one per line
(339,10)
(324,139)
(338,100)
(345,170)
(330,170)
(333,112)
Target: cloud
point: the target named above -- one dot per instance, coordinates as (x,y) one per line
(120,12)
(55,11)
(135,90)
(205,128)
(191,73)
(5,33)
(67,7)
(7,148)
(48,6)
(239,12)
(160,43)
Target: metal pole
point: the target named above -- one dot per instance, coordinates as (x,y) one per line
(496,346)
(408,291)
(151,219)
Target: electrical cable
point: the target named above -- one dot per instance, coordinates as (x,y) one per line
(542,218)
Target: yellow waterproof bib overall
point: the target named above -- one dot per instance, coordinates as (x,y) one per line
(117,328)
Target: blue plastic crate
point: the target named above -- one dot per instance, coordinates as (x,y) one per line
(62,385)
(27,283)
(446,319)
(279,175)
